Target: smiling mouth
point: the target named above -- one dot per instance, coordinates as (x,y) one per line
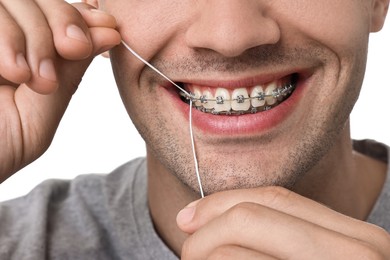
(239,101)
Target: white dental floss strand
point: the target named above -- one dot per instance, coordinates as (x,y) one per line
(153,68)
(190,113)
(194,152)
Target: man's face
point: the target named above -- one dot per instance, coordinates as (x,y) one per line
(241,48)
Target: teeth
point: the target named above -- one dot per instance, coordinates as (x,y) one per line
(197,95)
(223,102)
(258,92)
(241,100)
(269,91)
(208,104)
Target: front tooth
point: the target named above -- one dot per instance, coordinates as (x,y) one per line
(269,92)
(257,97)
(207,95)
(224,96)
(197,94)
(240,100)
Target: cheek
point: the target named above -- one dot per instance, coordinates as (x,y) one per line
(126,71)
(340,25)
(148,25)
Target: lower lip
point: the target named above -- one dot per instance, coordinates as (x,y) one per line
(244,124)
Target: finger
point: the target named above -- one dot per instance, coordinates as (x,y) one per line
(39,115)
(273,233)
(39,48)
(104,39)
(102,28)
(95,17)
(101,34)
(13,65)
(70,32)
(285,201)
(237,252)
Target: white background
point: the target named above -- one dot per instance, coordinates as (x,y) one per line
(96,135)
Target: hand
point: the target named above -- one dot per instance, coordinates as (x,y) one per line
(45,48)
(274,223)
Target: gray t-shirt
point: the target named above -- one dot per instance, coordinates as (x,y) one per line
(107,217)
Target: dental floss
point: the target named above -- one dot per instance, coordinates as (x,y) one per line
(190,111)
(155,69)
(194,152)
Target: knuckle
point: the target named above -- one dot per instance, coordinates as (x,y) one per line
(241,213)
(221,253)
(368,251)
(382,237)
(275,195)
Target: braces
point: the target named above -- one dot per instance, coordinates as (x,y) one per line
(252,110)
(277,94)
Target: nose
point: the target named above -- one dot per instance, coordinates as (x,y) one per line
(230,27)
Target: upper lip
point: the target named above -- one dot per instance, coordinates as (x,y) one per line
(245,81)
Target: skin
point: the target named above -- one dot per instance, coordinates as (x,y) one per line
(255,208)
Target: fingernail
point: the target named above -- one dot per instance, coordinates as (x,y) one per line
(47,70)
(185,215)
(75,32)
(21,61)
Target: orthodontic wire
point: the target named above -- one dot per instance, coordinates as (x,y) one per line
(190,112)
